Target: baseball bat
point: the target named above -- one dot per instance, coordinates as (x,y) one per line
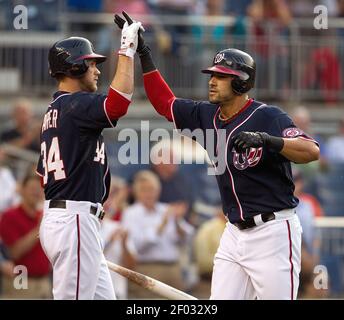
(158,287)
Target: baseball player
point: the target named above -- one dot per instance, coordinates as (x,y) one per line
(259,252)
(73,163)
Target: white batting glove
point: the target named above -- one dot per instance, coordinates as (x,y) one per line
(129,39)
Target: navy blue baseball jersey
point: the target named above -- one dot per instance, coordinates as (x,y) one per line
(256,181)
(73,162)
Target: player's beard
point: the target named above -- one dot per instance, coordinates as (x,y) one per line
(214,100)
(88,85)
(219,99)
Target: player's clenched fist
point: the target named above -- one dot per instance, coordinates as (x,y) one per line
(246,140)
(129,37)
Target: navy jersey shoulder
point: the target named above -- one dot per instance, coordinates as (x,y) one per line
(88,110)
(73,160)
(273,115)
(191,114)
(280,123)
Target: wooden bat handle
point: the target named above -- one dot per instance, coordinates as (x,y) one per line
(149,283)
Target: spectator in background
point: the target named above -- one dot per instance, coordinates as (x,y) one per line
(213,8)
(19,229)
(92,27)
(335,145)
(175,187)
(118,198)
(157,230)
(340,31)
(206,243)
(119,249)
(177,31)
(208,38)
(302,9)
(308,209)
(322,72)
(239,10)
(8,197)
(25,132)
(302,119)
(271,19)
(6,267)
(91,6)
(134,7)
(321,69)
(8,186)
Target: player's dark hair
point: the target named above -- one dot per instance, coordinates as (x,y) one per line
(59,77)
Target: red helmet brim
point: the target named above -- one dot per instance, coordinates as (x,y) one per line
(98,57)
(225,70)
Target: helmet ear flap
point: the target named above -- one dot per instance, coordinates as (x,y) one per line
(239,86)
(78,69)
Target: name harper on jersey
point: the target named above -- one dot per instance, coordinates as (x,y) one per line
(50,120)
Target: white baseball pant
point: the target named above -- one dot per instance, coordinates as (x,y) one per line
(70,238)
(263,262)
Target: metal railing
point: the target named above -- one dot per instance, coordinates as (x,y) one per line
(290,65)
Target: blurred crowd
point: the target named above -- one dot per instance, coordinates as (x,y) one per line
(283,10)
(154,223)
(187,33)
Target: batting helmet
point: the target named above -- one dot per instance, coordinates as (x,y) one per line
(237,63)
(69,57)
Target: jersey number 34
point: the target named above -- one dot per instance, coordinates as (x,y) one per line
(52,163)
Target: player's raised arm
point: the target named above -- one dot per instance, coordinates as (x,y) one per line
(158,92)
(122,85)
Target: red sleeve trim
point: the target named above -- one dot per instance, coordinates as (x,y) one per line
(115,105)
(159,93)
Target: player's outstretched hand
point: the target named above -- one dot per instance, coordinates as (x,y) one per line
(246,140)
(142,48)
(129,39)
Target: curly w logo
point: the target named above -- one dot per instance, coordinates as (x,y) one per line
(249,158)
